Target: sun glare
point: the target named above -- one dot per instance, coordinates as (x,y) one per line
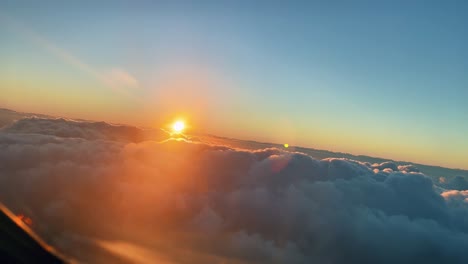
(178,126)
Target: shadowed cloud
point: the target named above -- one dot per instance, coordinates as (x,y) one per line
(95,187)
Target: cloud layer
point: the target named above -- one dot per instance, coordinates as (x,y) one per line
(99,193)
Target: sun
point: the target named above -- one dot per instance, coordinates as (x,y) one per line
(178,126)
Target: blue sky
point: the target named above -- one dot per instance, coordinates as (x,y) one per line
(384,78)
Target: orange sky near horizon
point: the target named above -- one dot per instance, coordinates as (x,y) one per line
(41,74)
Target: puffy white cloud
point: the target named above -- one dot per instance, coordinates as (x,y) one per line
(93,190)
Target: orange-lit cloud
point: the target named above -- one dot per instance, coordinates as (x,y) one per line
(141,199)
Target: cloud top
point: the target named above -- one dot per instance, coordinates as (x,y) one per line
(90,185)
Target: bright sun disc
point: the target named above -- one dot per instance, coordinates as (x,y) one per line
(178,126)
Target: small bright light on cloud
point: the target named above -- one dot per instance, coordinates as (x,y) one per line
(286,145)
(178,126)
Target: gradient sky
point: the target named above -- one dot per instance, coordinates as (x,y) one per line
(382,78)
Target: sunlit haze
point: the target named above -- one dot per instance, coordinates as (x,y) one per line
(383,79)
(234,132)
